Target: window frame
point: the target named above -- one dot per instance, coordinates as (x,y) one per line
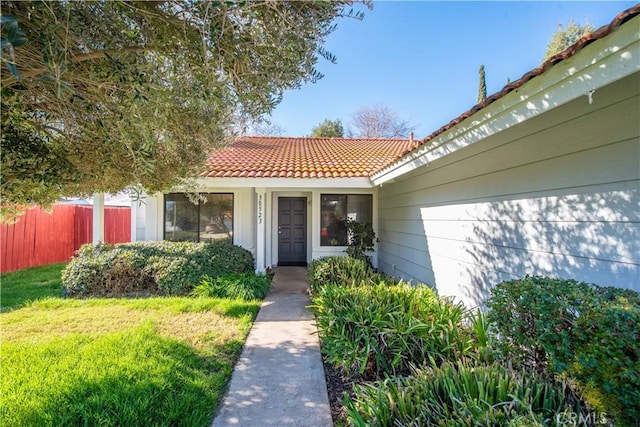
(198,231)
(346,196)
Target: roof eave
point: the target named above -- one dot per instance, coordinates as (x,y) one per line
(598,64)
(286,183)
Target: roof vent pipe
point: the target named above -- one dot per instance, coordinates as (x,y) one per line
(411,137)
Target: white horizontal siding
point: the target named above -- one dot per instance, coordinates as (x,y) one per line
(557,195)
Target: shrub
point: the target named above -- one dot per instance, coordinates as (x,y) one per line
(361,240)
(247,286)
(142,268)
(587,332)
(462,395)
(371,331)
(341,271)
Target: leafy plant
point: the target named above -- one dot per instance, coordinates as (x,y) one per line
(587,332)
(384,329)
(247,286)
(482,341)
(361,240)
(148,268)
(459,394)
(340,270)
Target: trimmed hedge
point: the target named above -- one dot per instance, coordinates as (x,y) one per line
(151,268)
(585,331)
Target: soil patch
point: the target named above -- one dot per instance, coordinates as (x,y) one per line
(337,385)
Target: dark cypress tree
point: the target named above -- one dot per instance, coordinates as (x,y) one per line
(482,87)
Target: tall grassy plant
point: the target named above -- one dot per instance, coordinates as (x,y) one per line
(458,394)
(372,331)
(336,270)
(247,286)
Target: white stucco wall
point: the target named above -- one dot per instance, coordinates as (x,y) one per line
(556,195)
(149,217)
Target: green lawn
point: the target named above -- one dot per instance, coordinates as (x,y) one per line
(133,362)
(19,287)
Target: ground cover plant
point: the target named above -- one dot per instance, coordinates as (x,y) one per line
(20,287)
(342,271)
(247,286)
(135,362)
(384,329)
(151,268)
(548,352)
(462,394)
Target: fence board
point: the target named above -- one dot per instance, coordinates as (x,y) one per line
(41,238)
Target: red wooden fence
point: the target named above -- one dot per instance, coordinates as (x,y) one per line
(39,238)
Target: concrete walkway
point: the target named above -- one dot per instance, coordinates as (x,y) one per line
(279,378)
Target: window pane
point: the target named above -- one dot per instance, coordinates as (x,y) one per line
(332,220)
(359,207)
(216,217)
(181,218)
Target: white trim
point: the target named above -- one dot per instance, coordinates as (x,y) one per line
(272,233)
(98,218)
(261,225)
(601,63)
(286,183)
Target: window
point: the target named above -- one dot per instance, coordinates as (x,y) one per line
(208,220)
(336,209)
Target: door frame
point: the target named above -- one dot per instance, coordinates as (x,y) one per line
(274,256)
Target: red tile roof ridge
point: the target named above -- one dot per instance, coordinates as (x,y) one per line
(601,32)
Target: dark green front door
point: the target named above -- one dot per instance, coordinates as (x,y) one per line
(292,231)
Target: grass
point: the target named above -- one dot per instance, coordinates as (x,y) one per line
(30,284)
(134,362)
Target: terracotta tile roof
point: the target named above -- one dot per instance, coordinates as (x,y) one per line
(284,157)
(601,32)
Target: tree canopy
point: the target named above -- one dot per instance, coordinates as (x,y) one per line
(99,96)
(328,129)
(565,37)
(378,121)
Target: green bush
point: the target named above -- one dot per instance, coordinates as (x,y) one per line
(151,268)
(463,395)
(384,329)
(247,286)
(341,271)
(581,330)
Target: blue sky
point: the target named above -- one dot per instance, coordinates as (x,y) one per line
(421,58)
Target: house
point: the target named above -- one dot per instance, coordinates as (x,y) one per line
(542,178)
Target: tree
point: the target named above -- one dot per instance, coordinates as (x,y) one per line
(99,96)
(563,38)
(328,129)
(378,121)
(482,86)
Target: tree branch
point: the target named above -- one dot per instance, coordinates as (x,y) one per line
(89,56)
